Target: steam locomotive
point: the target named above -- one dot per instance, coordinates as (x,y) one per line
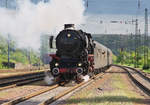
(77,55)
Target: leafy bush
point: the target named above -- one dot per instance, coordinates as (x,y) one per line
(17,55)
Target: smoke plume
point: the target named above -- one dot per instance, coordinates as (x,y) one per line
(29,21)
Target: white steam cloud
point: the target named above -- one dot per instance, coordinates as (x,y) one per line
(29,21)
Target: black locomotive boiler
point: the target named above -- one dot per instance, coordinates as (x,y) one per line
(77,55)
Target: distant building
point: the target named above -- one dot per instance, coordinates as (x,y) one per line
(44,48)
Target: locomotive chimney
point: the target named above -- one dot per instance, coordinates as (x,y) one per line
(69,26)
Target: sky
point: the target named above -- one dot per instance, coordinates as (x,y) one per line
(114,10)
(100,13)
(125,7)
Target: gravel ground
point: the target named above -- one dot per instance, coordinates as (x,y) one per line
(5,74)
(115,88)
(12,93)
(41,98)
(142,80)
(144,73)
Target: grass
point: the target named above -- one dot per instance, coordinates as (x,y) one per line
(116,92)
(147,71)
(140,67)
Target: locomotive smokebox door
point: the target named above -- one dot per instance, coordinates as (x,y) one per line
(51,41)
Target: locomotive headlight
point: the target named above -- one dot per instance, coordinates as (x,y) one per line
(56,64)
(79,64)
(69,35)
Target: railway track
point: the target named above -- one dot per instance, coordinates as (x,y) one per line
(142,81)
(81,85)
(52,94)
(18,80)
